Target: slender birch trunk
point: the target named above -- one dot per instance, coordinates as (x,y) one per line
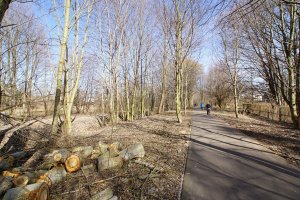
(62,56)
(178,63)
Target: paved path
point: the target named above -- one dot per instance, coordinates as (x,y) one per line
(225,164)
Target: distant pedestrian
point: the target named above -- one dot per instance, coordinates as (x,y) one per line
(208,108)
(201,105)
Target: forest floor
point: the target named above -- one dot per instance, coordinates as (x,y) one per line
(165,142)
(280,137)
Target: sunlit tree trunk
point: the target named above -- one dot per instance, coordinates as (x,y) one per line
(62,56)
(14,54)
(72,85)
(164,75)
(178,63)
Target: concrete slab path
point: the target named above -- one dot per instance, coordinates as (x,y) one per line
(224,164)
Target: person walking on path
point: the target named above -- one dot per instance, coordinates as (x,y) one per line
(208,108)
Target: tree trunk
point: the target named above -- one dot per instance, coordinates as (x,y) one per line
(164,75)
(62,57)
(14,98)
(178,63)
(4,5)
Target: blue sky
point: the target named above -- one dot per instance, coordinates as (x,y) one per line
(45,15)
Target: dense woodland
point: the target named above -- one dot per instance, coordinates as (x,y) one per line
(126,59)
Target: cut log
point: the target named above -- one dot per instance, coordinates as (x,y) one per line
(40,173)
(96,153)
(102,147)
(19,155)
(53,176)
(6,163)
(21,181)
(36,191)
(89,168)
(32,176)
(21,169)
(5,184)
(26,178)
(49,155)
(114,149)
(34,158)
(99,150)
(11,174)
(110,163)
(47,165)
(103,195)
(133,151)
(61,156)
(9,133)
(83,151)
(73,163)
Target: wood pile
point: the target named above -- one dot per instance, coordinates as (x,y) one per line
(27,183)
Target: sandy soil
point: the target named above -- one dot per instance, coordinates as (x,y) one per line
(281,138)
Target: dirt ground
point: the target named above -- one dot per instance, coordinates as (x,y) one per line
(165,142)
(281,138)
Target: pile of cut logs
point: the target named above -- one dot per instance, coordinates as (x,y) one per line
(27,183)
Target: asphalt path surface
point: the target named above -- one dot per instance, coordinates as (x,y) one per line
(224,164)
